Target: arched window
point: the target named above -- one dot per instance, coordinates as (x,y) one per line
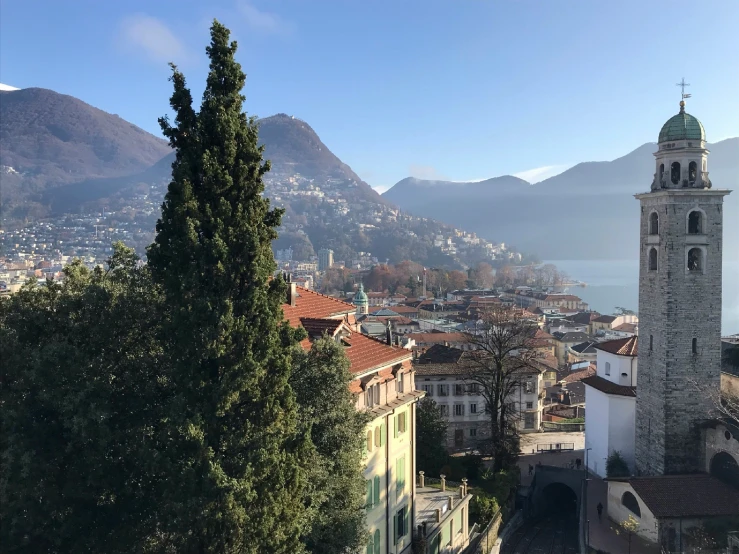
(651,342)
(376,490)
(608,368)
(695,223)
(675,173)
(661,172)
(692,172)
(377,541)
(652,259)
(695,259)
(654,223)
(629,502)
(378,436)
(695,346)
(369,441)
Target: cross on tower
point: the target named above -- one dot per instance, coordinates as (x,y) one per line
(682,84)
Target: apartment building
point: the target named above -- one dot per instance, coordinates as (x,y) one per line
(384,385)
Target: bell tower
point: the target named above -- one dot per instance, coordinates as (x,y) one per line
(679,301)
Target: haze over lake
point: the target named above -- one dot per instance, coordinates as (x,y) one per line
(614,283)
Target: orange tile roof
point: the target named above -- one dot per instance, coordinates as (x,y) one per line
(315,305)
(621,347)
(315,311)
(439,338)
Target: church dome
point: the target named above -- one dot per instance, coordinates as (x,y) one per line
(360,299)
(682,126)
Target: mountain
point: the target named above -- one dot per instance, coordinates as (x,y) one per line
(49,140)
(586,212)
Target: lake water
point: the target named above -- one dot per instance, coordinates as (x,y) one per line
(614,283)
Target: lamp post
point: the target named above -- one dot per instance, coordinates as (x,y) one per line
(587,517)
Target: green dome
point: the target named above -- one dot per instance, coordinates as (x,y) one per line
(360,299)
(682,126)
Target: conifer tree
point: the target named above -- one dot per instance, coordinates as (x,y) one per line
(236,451)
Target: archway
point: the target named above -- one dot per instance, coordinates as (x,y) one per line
(726,468)
(558,498)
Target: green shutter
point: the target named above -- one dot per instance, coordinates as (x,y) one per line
(395,424)
(377,541)
(369,494)
(377,490)
(382,434)
(370,546)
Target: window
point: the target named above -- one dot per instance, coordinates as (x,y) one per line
(444,410)
(695,346)
(661,172)
(370,496)
(529,386)
(695,223)
(608,368)
(402,422)
(529,405)
(695,259)
(429,389)
(400,523)
(692,172)
(458,390)
(376,491)
(654,223)
(473,432)
(443,390)
(652,259)
(400,475)
(371,545)
(378,436)
(369,441)
(377,393)
(675,173)
(651,343)
(399,385)
(629,502)
(473,388)
(473,408)
(459,409)
(369,398)
(378,545)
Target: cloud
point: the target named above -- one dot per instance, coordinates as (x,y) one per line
(262,21)
(153,38)
(8,87)
(381,188)
(426,172)
(540,173)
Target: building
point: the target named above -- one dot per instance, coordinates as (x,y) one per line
(360,301)
(443,516)
(685,460)
(443,373)
(563,342)
(679,301)
(384,385)
(325,259)
(610,397)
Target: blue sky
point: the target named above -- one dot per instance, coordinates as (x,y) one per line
(453,89)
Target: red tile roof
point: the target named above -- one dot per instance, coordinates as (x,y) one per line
(608,387)
(621,347)
(574,376)
(314,305)
(437,338)
(693,495)
(366,353)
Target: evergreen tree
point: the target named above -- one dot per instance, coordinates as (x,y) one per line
(81,396)
(328,412)
(431,453)
(239,461)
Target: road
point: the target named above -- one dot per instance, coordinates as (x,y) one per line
(553,534)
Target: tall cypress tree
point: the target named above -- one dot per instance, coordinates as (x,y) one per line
(236,450)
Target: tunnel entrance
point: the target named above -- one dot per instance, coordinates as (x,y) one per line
(558,498)
(724,467)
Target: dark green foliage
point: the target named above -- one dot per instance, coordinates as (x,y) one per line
(240,462)
(327,411)
(616,466)
(431,453)
(83,391)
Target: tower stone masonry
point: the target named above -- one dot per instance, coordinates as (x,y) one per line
(679,302)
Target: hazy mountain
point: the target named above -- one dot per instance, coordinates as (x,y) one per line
(585,212)
(49,139)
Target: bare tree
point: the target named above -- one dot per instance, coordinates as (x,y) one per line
(504,353)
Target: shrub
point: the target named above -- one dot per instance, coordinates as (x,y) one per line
(616,466)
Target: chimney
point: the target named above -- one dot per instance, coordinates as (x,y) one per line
(443,482)
(451,503)
(421,483)
(292,290)
(437,515)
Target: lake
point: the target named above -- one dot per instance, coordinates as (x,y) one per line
(614,283)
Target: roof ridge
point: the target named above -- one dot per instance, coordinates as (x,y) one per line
(350,306)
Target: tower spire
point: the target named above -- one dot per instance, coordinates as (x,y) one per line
(682,84)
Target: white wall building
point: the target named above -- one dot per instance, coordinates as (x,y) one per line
(610,397)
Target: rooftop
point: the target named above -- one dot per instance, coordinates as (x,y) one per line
(682,126)
(313,305)
(620,347)
(609,387)
(696,495)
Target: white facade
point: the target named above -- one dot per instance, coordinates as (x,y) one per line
(610,417)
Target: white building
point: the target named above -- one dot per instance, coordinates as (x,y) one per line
(610,397)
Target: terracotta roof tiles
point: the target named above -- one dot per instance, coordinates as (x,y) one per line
(694,495)
(315,305)
(620,347)
(609,387)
